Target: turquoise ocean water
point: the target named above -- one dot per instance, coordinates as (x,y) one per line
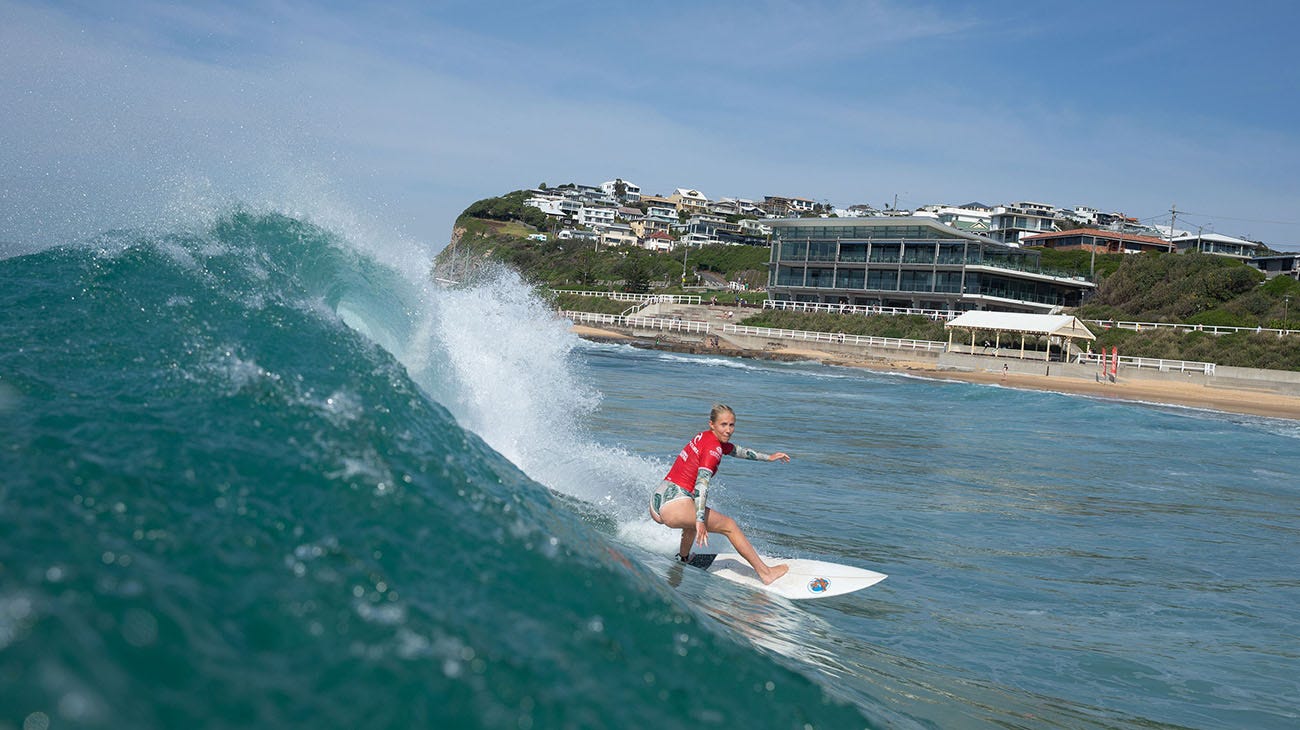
(252,477)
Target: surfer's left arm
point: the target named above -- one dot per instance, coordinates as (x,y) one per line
(744,452)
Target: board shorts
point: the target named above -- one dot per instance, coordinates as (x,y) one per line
(667,492)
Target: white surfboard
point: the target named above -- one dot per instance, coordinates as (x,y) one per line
(806,579)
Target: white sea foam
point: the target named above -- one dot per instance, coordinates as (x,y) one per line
(499,359)
(716,362)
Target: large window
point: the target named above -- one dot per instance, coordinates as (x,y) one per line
(951,253)
(918,253)
(794,250)
(948,281)
(883,279)
(885,253)
(789,276)
(821,277)
(917,281)
(853,252)
(822,251)
(850,278)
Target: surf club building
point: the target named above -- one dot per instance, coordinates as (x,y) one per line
(910,262)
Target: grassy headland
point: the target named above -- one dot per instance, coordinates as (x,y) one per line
(499,229)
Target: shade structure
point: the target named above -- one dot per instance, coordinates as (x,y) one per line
(1056,325)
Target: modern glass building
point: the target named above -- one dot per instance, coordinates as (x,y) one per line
(910,262)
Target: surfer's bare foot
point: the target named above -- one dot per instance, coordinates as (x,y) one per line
(774,572)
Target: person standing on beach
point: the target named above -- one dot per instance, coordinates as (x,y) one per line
(681,500)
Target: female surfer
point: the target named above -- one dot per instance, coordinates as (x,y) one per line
(681,500)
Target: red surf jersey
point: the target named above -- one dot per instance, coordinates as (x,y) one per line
(705,450)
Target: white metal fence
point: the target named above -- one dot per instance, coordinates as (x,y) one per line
(667,324)
(834,338)
(1179,366)
(1212,329)
(944,315)
(938,315)
(619,296)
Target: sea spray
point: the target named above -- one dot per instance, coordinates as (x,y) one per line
(504,363)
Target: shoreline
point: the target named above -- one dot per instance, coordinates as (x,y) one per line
(1225,400)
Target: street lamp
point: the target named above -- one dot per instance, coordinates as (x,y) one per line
(1286,319)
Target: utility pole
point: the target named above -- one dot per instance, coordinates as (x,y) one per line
(1173,220)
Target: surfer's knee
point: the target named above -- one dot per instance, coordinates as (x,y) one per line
(722,523)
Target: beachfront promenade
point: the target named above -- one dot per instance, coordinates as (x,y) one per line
(683,323)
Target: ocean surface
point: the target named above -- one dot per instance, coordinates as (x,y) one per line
(251,476)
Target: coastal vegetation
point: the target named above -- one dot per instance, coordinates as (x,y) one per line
(1080,263)
(1192,288)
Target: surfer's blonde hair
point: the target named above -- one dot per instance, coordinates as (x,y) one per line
(719,409)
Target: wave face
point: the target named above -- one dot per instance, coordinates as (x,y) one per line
(253,477)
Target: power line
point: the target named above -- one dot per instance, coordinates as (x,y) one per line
(1243,220)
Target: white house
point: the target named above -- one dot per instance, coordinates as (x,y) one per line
(736,206)
(619,234)
(1013,221)
(658,241)
(966,218)
(631,191)
(595,216)
(556,206)
(1084,214)
(697,239)
(661,214)
(1219,244)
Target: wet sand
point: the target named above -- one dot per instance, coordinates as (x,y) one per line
(1251,402)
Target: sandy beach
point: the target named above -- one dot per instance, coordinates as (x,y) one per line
(1250,402)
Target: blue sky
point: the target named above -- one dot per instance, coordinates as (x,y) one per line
(393,120)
